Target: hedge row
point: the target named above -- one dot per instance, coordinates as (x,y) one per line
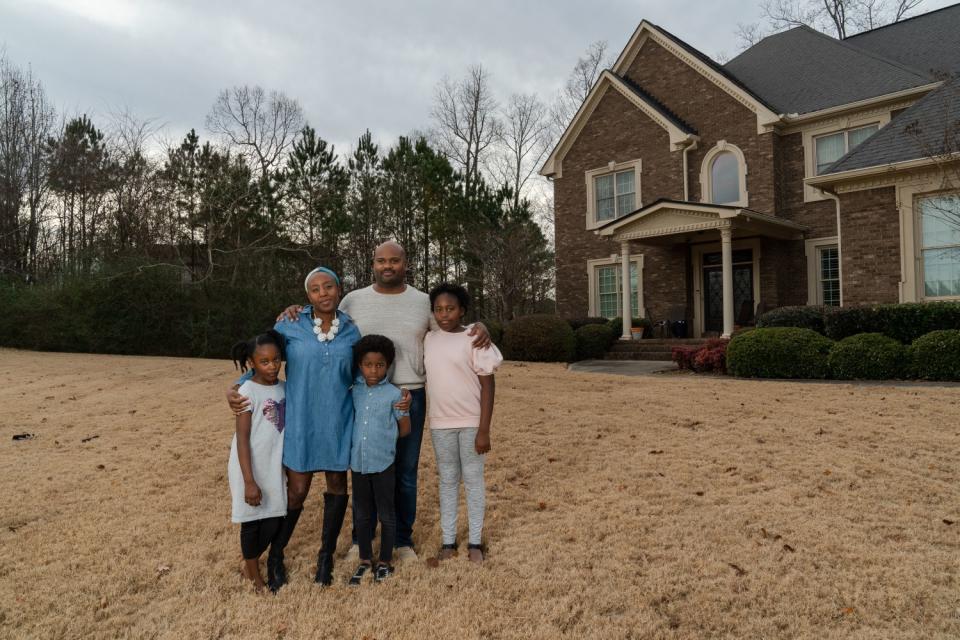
(903,322)
(791,352)
(150,312)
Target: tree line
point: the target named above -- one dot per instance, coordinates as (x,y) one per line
(259,196)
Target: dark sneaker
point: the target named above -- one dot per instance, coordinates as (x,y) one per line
(357,578)
(276,572)
(383,572)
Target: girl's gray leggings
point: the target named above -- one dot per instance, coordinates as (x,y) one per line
(457,457)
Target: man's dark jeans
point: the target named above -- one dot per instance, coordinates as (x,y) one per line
(406,463)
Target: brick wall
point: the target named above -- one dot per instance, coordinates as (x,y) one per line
(616,131)
(713,113)
(870,235)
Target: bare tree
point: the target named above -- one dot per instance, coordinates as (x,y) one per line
(525,140)
(838,17)
(465,122)
(749,34)
(581,79)
(260,126)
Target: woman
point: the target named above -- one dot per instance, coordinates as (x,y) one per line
(319,416)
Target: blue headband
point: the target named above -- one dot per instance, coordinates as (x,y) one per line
(306,281)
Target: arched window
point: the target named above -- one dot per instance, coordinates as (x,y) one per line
(723,176)
(724,179)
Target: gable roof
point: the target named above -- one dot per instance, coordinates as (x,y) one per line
(928,129)
(803,70)
(679,132)
(702,64)
(929,42)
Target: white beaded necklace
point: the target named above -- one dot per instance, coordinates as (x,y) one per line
(329,335)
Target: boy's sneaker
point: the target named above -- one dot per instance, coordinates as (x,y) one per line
(406,554)
(383,572)
(357,578)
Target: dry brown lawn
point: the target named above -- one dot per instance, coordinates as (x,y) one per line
(651,507)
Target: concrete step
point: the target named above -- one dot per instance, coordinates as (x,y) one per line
(659,356)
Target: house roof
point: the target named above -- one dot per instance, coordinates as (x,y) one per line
(803,70)
(929,42)
(678,131)
(927,129)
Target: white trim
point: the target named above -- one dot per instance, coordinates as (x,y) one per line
(795,120)
(706,181)
(593,303)
(812,252)
(697,252)
(553,166)
(887,173)
(611,168)
(810,194)
(766,119)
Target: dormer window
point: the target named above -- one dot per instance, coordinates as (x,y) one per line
(612,192)
(723,176)
(833,146)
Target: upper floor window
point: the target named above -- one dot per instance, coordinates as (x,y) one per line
(612,191)
(615,194)
(832,147)
(723,175)
(724,179)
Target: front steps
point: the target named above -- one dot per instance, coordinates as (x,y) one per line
(656,349)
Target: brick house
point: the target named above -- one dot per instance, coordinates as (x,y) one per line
(807,170)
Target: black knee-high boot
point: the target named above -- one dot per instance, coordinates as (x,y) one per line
(334,508)
(276,572)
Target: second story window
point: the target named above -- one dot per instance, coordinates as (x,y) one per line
(725,179)
(832,147)
(615,194)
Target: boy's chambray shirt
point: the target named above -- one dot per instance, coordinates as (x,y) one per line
(375,430)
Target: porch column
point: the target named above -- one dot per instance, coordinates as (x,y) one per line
(726,249)
(625,289)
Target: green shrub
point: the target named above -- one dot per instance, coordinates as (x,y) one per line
(593,340)
(868,356)
(617,325)
(576,323)
(904,322)
(539,338)
(806,317)
(779,352)
(936,355)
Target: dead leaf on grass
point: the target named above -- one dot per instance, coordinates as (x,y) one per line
(787,547)
(433,563)
(541,506)
(766,534)
(656,452)
(281,628)
(163,569)
(740,571)
(551,459)
(946,521)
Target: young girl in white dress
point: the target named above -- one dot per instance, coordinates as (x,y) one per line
(255,469)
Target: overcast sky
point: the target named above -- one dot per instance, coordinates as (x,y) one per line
(353,65)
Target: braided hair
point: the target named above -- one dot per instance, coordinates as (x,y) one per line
(242,352)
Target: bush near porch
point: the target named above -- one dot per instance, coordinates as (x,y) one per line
(708,358)
(936,356)
(868,356)
(539,338)
(593,340)
(779,352)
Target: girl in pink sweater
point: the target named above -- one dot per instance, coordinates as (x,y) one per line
(460,390)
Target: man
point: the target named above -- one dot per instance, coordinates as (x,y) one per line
(392,308)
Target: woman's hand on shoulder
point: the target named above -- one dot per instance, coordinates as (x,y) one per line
(291,313)
(238,403)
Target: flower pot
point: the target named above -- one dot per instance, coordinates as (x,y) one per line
(636,333)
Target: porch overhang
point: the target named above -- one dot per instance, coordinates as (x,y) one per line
(673,221)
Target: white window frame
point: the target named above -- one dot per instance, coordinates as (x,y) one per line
(812,249)
(918,235)
(846,140)
(809,135)
(706,174)
(611,168)
(593,306)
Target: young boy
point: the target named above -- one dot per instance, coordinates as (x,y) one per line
(376,425)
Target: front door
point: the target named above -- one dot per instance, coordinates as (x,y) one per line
(743,302)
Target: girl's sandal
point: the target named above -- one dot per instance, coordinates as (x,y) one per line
(447,551)
(475,553)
